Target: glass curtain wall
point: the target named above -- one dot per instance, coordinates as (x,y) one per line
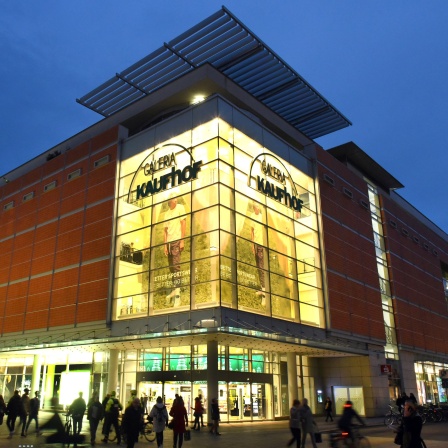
(216,214)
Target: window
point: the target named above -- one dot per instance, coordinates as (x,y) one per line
(50,186)
(102,161)
(74,174)
(364,203)
(328,179)
(8,206)
(347,192)
(28,196)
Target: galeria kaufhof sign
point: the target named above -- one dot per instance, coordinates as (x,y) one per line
(270,169)
(273,183)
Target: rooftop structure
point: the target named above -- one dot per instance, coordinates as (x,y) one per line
(224,42)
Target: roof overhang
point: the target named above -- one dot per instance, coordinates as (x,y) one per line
(224,42)
(351,154)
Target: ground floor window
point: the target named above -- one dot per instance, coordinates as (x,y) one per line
(354,394)
(432,382)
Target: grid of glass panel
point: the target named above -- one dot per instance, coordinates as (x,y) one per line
(195,230)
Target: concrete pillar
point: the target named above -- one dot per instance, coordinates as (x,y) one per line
(112,380)
(212,374)
(408,376)
(49,386)
(292,377)
(35,378)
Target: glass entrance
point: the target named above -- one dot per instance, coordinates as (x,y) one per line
(188,391)
(248,401)
(149,393)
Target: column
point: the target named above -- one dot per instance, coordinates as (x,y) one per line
(49,388)
(212,374)
(112,377)
(35,378)
(292,377)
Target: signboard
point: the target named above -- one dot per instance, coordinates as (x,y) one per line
(386,369)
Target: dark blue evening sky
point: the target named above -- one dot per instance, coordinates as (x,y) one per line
(382,63)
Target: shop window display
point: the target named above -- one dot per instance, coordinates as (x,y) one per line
(188,240)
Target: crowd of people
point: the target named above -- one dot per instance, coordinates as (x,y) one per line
(302,424)
(20,407)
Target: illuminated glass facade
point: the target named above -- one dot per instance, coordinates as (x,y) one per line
(210,215)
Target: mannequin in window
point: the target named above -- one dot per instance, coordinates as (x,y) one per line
(256,234)
(174,234)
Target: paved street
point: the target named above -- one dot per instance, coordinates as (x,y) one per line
(247,435)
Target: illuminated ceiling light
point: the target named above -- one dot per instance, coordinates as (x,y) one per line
(198,99)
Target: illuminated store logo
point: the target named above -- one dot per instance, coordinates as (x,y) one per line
(272,171)
(172,179)
(159,164)
(271,188)
(152,165)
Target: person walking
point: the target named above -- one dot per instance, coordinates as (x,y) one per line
(400,402)
(411,426)
(197,414)
(328,409)
(144,402)
(132,398)
(202,410)
(308,423)
(294,423)
(104,403)
(95,413)
(34,412)
(111,412)
(77,410)
(14,410)
(132,423)
(180,422)
(25,409)
(159,416)
(214,410)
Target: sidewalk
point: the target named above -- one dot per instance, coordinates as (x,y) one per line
(249,435)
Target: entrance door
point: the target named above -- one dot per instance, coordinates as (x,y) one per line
(149,392)
(184,390)
(240,401)
(259,401)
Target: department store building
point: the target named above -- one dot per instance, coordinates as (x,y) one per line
(197,240)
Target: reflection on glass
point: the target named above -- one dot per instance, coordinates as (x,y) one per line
(205,198)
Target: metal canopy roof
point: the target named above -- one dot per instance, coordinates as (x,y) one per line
(224,42)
